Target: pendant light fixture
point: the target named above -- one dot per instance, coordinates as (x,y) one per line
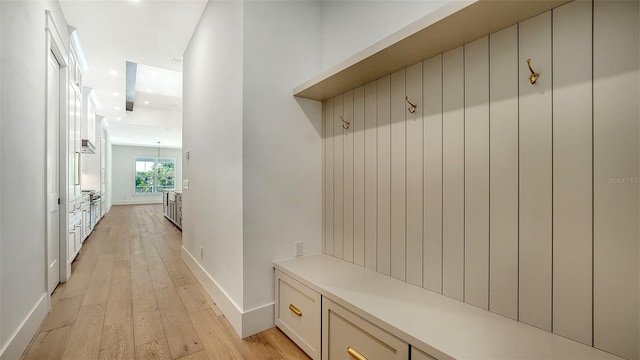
(158,164)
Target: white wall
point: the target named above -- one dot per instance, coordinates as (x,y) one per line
(109,171)
(212,132)
(123,187)
(22,210)
(349,26)
(282,143)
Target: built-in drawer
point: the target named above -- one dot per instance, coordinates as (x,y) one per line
(297,313)
(417,354)
(345,335)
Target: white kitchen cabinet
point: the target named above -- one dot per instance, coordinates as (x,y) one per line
(297,313)
(86,217)
(74,236)
(88,132)
(346,335)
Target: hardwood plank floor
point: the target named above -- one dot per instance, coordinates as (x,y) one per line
(132,296)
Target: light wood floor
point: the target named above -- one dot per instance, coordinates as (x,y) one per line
(130,296)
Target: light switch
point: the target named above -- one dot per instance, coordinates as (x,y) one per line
(185,184)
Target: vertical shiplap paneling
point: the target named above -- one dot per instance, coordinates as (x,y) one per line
(328,180)
(348,178)
(414,175)
(398,175)
(615,166)
(453,173)
(371,175)
(384,176)
(324,176)
(358,176)
(503,172)
(535,173)
(338,177)
(432,100)
(476,173)
(572,171)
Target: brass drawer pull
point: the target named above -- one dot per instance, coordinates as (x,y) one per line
(355,354)
(295,310)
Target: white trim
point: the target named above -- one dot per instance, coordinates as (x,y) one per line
(245,323)
(19,341)
(143,201)
(258,319)
(230,309)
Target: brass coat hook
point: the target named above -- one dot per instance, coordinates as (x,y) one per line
(534,75)
(345,124)
(411,108)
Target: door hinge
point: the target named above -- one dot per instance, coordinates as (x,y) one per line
(58,201)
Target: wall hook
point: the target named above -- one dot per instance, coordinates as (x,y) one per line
(345,124)
(413,107)
(534,75)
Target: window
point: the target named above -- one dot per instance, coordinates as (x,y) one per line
(154,175)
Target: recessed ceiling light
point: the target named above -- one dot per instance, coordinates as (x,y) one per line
(118,108)
(118,118)
(113,72)
(115,93)
(149,90)
(146,103)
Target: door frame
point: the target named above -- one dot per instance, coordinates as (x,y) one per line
(54,44)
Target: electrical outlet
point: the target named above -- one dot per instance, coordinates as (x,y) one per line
(201,252)
(185,184)
(297,248)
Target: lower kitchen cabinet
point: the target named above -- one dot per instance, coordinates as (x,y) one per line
(297,313)
(172,206)
(345,335)
(74,236)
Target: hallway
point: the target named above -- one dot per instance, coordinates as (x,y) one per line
(131,296)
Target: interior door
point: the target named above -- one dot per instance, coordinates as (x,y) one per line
(53,213)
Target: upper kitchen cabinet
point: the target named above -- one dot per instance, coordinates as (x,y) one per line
(77,65)
(89,107)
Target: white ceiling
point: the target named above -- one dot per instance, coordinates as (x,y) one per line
(152,33)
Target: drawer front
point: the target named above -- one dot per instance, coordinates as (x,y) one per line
(298,313)
(417,354)
(346,336)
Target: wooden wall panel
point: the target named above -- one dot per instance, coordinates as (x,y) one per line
(329,203)
(517,198)
(415,214)
(338,177)
(572,172)
(358,176)
(371,175)
(476,173)
(384,176)
(398,175)
(432,92)
(535,230)
(453,173)
(615,167)
(503,170)
(348,178)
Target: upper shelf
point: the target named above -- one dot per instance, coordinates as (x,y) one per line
(452,25)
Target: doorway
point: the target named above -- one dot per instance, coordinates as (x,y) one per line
(52,173)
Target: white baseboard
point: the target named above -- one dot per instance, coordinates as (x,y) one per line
(17,343)
(231,311)
(244,323)
(137,202)
(257,320)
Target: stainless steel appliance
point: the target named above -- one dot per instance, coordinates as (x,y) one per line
(94,209)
